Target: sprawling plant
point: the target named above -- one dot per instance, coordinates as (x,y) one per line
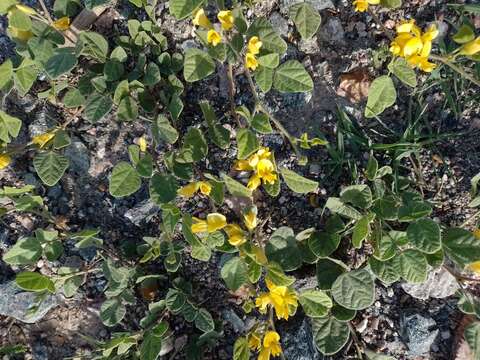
(137,77)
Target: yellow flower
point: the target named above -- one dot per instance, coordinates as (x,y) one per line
(214,222)
(190,189)
(262,164)
(21,35)
(42,139)
(475,267)
(414,46)
(471,48)
(362,5)
(476,233)
(254,45)
(254,341)
(5,160)
(251,61)
(236,236)
(226,19)
(142,143)
(62,24)
(25,9)
(200,19)
(213,37)
(250,218)
(280,297)
(271,346)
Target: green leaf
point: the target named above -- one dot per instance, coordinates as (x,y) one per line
(127,109)
(197,65)
(6,73)
(315,303)
(32,281)
(277,276)
(152,74)
(464,34)
(217,133)
(282,248)
(472,336)
(264,78)
(204,321)
(60,64)
(291,76)
(19,20)
(372,168)
(175,107)
(113,70)
(391,4)
(461,246)
(271,41)
(386,208)
(247,143)
(403,71)
(306,19)
(261,123)
(270,61)
(424,234)
(343,314)
(9,127)
(359,196)
(53,250)
(381,95)
(413,266)
(241,351)
(163,131)
(354,290)
(183,8)
(119,54)
(413,210)
(361,230)
(298,183)
(163,188)
(322,244)
(97,107)
(329,334)
(94,45)
(234,273)
(337,206)
(124,180)
(151,346)
(387,271)
(235,188)
(112,312)
(73,98)
(50,167)
(328,270)
(25,251)
(145,166)
(5,5)
(194,148)
(175,300)
(25,75)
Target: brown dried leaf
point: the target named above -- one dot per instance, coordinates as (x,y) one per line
(354,85)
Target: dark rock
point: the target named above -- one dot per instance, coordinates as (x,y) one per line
(418,333)
(78,154)
(297,340)
(143,211)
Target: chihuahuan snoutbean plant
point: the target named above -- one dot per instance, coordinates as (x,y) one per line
(138,77)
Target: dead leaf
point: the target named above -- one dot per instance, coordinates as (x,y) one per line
(354,85)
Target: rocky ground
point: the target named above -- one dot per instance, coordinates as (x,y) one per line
(407,322)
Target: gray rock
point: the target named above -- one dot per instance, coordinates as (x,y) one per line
(317,4)
(39,351)
(54,192)
(233,319)
(332,32)
(142,212)
(418,333)
(297,341)
(439,284)
(44,120)
(31,179)
(78,154)
(16,303)
(279,23)
(309,46)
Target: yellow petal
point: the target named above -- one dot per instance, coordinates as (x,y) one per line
(236,236)
(264,354)
(475,267)
(188,190)
(254,45)
(62,24)
(271,340)
(427,48)
(262,302)
(21,35)
(265,170)
(373,2)
(406,26)
(213,37)
(413,46)
(42,139)
(215,221)
(242,165)
(361,5)
(426,66)
(251,61)
(25,9)
(226,19)
(471,48)
(142,143)
(250,218)
(476,233)
(199,226)
(254,341)
(5,160)
(254,182)
(431,33)
(205,187)
(200,19)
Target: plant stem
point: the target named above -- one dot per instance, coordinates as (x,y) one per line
(231,90)
(470,219)
(276,122)
(45,10)
(456,68)
(459,276)
(356,341)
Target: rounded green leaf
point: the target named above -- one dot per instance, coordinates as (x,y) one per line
(329,334)
(328,270)
(291,76)
(359,196)
(163,188)
(124,181)
(282,248)
(306,19)
(424,234)
(381,95)
(183,8)
(315,303)
(472,336)
(354,290)
(112,312)
(247,143)
(151,346)
(204,321)
(175,300)
(73,99)
(343,314)
(50,167)
(32,281)
(197,65)
(60,64)
(6,73)
(298,183)
(387,271)
(322,244)
(402,70)
(241,350)
(413,266)
(127,109)
(97,107)
(234,273)
(461,246)
(163,131)
(25,251)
